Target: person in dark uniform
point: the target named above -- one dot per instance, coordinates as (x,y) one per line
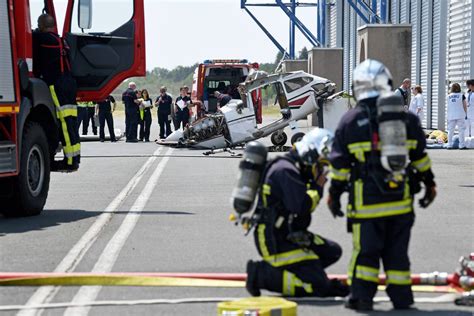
(294,259)
(82,117)
(181,107)
(130,101)
(51,64)
(91,117)
(145,115)
(380,209)
(164,102)
(104,110)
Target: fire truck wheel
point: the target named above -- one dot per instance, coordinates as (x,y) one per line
(279,138)
(30,187)
(296,137)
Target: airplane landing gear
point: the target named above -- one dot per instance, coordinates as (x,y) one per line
(279,138)
(296,137)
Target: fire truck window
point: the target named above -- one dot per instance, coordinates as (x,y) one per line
(218,84)
(105,20)
(295,84)
(36,9)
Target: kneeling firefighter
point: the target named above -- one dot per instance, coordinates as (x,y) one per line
(379,157)
(290,187)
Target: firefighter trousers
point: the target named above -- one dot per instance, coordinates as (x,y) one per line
(293,271)
(63,93)
(383,239)
(90,117)
(106,116)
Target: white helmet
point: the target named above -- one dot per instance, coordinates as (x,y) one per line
(371,79)
(314,146)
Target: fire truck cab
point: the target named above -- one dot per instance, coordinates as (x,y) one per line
(223,75)
(29,129)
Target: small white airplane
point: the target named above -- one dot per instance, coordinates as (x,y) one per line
(297,93)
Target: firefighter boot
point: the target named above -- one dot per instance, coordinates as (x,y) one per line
(251,282)
(359,305)
(337,288)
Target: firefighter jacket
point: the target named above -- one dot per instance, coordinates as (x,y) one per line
(51,58)
(356,166)
(284,194)
(285,191)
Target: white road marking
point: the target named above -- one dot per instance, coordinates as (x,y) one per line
(46,293)
(111,252)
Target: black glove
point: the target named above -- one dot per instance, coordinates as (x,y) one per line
(301,238)
(334,205)
(334,200)
(430,194)
(430,188)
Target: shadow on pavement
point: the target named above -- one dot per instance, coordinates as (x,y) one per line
(155,212)
(48,218)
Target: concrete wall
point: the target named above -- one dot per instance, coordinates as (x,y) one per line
(327,63)
(390,44)
(295,65)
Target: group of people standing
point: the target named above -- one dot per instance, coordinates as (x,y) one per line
(460,108)
(138,105)
(88,111)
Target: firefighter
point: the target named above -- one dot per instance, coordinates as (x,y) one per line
(82,117)
(51,63)
(104,110)
(378,155)
(294,259)
(164,103)
(91,117)
(130,101)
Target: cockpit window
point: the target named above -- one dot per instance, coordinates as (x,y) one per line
(296,83)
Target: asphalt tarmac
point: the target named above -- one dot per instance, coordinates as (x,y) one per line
(148,208)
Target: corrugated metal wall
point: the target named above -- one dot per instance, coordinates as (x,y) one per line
(459,41)
(441,45)
(424,50)
(435,61)
(404,11)
(415,38)
(394,9)
(332,24)
(346,45)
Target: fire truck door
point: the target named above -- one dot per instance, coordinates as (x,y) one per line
(100,58)
(7,80)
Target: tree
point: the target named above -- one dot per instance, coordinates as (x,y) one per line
(279,57)
(303,53)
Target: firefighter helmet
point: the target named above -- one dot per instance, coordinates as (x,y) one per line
(314,146)
(371,79)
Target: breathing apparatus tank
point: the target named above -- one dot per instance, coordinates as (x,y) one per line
(251,168)
(392,133)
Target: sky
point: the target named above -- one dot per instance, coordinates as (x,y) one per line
(183,32)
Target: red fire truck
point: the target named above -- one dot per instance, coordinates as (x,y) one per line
(29,131)
(223,75)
